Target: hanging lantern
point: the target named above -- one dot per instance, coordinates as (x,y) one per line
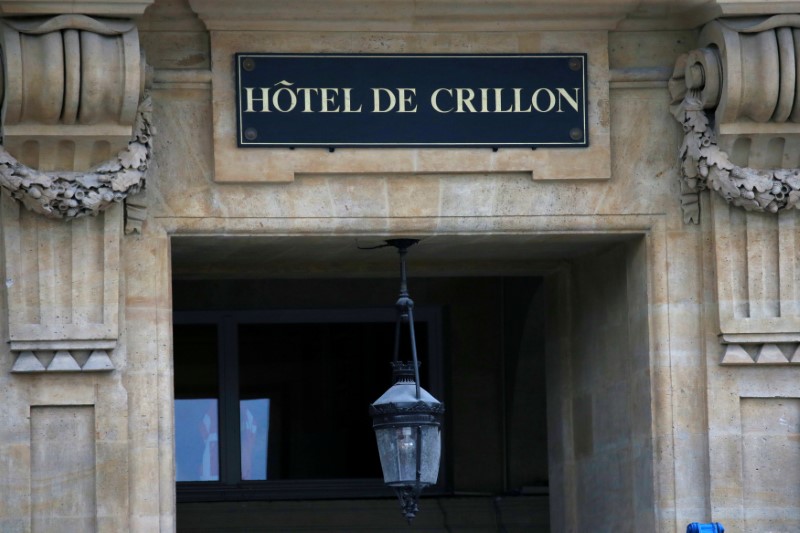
(406,418)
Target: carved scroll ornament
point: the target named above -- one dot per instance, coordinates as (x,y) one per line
(73,96)
(747,75)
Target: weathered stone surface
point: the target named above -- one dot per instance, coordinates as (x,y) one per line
(63,469)
(770,446)
(62,280)
(645,420)
(51,65)
(98,362)
(235,165)
(27,362)
(63,362)
(113,8)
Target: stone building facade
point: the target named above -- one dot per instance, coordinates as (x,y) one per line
(621,321)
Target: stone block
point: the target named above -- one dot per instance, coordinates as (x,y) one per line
(63,495)
(771,463)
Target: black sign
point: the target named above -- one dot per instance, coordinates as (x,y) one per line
(292,100)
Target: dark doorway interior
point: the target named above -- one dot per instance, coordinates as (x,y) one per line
(272,400)
(298,343)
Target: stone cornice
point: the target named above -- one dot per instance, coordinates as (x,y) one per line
(109,8)
(474,15)
(688,14)
(410,15)
(710,10)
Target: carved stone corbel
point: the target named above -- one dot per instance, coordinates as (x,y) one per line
(77,140)
(76,119)
(738,100)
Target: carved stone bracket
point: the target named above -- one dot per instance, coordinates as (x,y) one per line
(77,141)
(746,74)
(73,97)
(737,97)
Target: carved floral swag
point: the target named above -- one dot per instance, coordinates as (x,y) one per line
(69,195)
(705,166)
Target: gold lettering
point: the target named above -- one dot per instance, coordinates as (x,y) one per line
(328,99)
(464,98)
(405,100)
(305,92)
(484,100)
(518,102)
(535,100)
(348,102)
(435,103)
(376,97)
(498,102)
(284,89)
(573,103)
(251,100)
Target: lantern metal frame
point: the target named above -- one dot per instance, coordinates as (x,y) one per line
(400,410)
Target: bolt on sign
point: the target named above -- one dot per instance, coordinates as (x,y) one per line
(331,101)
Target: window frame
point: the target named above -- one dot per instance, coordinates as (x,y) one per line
(230,486)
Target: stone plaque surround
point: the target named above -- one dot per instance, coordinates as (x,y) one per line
(233,164)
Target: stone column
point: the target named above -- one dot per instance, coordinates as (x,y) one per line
(76,134)
(737,97)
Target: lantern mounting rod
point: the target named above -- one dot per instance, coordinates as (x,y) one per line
(405,306)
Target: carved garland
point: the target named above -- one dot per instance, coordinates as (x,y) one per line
(705,166)
(69,195)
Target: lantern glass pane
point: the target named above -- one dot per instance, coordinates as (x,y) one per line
(397,448)
(431,453)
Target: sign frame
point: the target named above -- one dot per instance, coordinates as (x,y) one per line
(248,99)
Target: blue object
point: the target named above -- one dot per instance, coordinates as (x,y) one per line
(710,527)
